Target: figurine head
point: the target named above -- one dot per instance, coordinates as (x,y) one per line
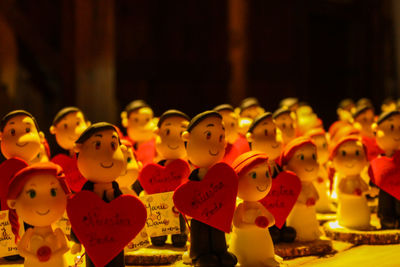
(250,108)
(38,193)
(169,143)
(44,154)
(291,103)
(205,139)
(345,108)
(101,155)
(387,131)
(132,166)
(318,136)
(262,136)
(20,136)
(389,104)
(231,122)
(254,175)
(363,118)
(68,124)
(284,119)
(300,157)
(349,156)
(138,121)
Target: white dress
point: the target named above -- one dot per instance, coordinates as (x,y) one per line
(323,204)
(304,220)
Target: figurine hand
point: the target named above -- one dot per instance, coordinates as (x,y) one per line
(320,180)
(310,202)
(357,192)
(76,248)
(43,253)
(261,221)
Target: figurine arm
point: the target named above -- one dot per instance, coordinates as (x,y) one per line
(63,243)
(23,245)
(270,217)
(238,221)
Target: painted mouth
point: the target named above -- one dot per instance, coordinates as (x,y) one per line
(396,139)
(261,189)
(21,145)
(173,147)
(275,146)
(213,154)
(309,170)
(43,213)
(107,166)
(349,166)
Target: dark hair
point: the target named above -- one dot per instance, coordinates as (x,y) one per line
(94,128)
(135,105)
(280,111)
(385,115)
(171,113)
(258,119)
(361,109)
(345,103)
(202,116)
(16,113)
(248,102)
(64,112)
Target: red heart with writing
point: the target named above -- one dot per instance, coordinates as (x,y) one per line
(155,178)
(385,173)
(211,200)
(74,178)
(105,228)
(8,168)
(281,198)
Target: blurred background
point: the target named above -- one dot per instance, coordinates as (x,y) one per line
(195,54)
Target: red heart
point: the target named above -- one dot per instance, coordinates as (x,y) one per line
(8,168)
(74,178)
(155,178)
(211,200)
(385,173)
(281,198)
(105,228)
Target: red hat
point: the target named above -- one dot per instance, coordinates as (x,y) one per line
(343,140)
(292,147)
(315,132)
(247,161)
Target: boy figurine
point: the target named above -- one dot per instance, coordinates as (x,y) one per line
(138,118)
(284,119)
(387,132)
(101,161)
(205,146)
(236,142)
(68,124)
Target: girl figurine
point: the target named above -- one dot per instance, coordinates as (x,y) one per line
(38,194)
(251,241)
(349,159)
(300,156)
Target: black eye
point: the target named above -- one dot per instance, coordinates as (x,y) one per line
(253,175)
(267,174)
(136,120)
(266,132)
(301,157)
(113,146)
(12,132)
(283,125)
(220,138)
(147,119)
(77,123)
(31,193)
(344,153)
(275,131)
(129,159)
(53,192)
(167,132)
(97,145)
(232,124)
(391,127)
(357,152)
(28,130)
(65,126)
(314,156)
(208,135)
(324,145)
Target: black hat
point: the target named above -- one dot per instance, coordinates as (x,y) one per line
(258,119)
(171,113)
(64,112)
(94,128)
(135,105)
(15,113)
(202,116)
(224,107)
(386,115)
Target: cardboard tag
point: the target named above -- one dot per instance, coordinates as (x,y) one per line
(155,178)
(73,177)
(161,218)
(7,238)
(211,200)
(285,190)
(105,228)
(141,240)
(385,173)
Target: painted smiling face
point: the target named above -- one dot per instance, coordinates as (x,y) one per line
(286,124)
(101,158)
(20,138)
(68,129)
(350,158)
(205,142)
(364,121)
(263,138)
(388,134)
(42,200)
(304,163)
(255,184)
(322,148)
(169,143)
(139,125)
(231,123)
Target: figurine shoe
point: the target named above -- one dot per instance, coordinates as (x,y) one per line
(206,260)
(227,259)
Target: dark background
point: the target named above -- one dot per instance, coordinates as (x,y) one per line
(174,54)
